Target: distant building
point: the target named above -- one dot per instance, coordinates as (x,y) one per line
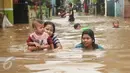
(127,9)
(117,8)
(6,7)
(15,10)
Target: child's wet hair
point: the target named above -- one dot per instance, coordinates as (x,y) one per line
(116,21)
(36,20)
(76,25)
(50,23)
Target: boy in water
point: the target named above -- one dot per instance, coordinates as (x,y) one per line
(116,24)
(77,26)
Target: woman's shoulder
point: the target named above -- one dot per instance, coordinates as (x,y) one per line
(79,45)
(54,35)
(100,47)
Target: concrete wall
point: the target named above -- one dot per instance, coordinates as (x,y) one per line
(110,8)
(127,9)
(1,12)
(8,10)
(119,8)
(6,7)
(1,5)
(53,2)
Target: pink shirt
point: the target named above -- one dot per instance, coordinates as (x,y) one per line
(41,39)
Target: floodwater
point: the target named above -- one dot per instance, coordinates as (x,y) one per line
(114,59)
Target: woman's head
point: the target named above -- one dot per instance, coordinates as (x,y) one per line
(88,39)
(49,28)
(38,27)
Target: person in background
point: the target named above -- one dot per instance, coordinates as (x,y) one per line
(49,6)
(71,13)
(39,40)
(85,7)
(50,29)
(77,26)
(36,8)
(62,13)
(88,41)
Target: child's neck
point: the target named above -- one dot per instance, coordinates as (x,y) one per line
(38,33)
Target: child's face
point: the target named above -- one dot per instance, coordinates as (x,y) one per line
(49,29)
(87,40)
(115,24)
(78,27)
(39,28)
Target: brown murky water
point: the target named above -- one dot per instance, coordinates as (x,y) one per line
(114,40)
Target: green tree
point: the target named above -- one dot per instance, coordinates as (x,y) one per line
(76,1)
(94,1)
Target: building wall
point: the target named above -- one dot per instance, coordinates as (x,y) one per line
(1,12)
(1,6)
(8,10)
(119,8)
(110,8)
(53,2)
(127,9)
(6,7)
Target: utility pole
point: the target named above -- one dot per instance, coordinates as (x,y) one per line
(105,8)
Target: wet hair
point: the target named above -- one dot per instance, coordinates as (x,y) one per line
(50,23)
(76,25)
(91,34)
(116,21)
(36,20)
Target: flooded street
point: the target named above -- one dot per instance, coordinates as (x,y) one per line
(114,59)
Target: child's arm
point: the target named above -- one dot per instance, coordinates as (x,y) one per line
(52,46)
(59,46)
(57,43)
(31,43)
(50,42)
(45,46)
(49,45)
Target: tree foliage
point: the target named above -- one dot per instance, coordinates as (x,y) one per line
(76,1)
(94,1)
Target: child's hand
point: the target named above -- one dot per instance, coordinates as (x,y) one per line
(37,44)
(45,46)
